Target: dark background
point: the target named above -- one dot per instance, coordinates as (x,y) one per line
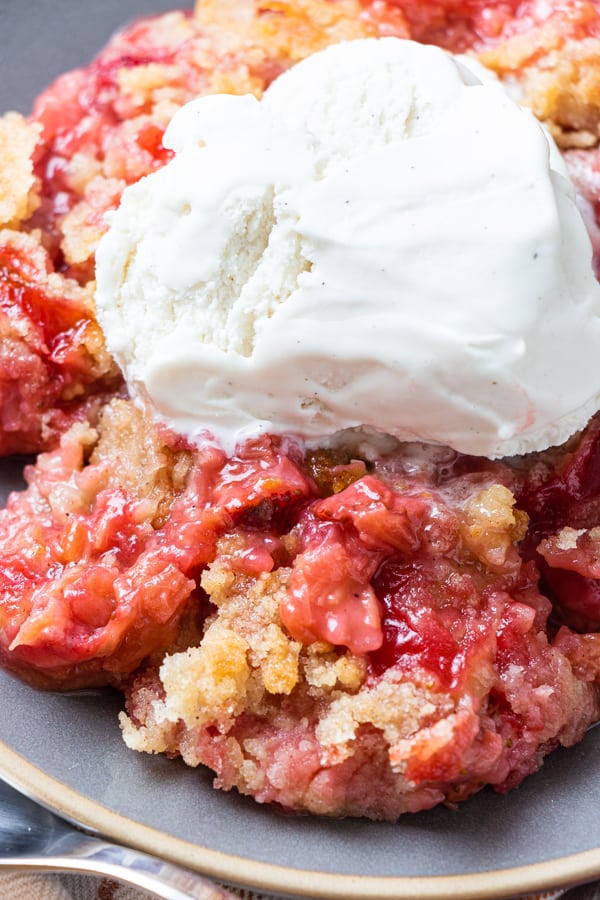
(40,39)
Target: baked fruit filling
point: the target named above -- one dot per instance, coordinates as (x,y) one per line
(364,629)
(331,631)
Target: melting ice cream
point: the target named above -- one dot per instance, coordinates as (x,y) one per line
(382,241)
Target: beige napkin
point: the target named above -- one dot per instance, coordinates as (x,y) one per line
(71,887)
(77,887)
(81,887)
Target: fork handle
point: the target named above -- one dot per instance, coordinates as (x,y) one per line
(160,879)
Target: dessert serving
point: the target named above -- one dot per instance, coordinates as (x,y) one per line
(310,366)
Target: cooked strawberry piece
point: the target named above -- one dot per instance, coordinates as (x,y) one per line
(460,25)
(561,493)
(264,486)
(53,365)
(433,615)
(330,596)
(563,487)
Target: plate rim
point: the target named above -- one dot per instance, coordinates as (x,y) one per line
(494,884)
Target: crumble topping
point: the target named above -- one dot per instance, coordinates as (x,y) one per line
(18,184)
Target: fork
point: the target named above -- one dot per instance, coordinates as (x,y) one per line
(34,839)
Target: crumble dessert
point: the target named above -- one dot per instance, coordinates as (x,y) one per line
(358,630)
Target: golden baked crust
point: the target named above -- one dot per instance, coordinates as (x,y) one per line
(556,67)
(18,184)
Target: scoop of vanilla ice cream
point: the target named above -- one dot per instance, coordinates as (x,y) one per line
(383,241)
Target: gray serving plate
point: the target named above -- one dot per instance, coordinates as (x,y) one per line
(67,752)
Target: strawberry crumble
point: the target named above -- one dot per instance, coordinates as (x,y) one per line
(365,629)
